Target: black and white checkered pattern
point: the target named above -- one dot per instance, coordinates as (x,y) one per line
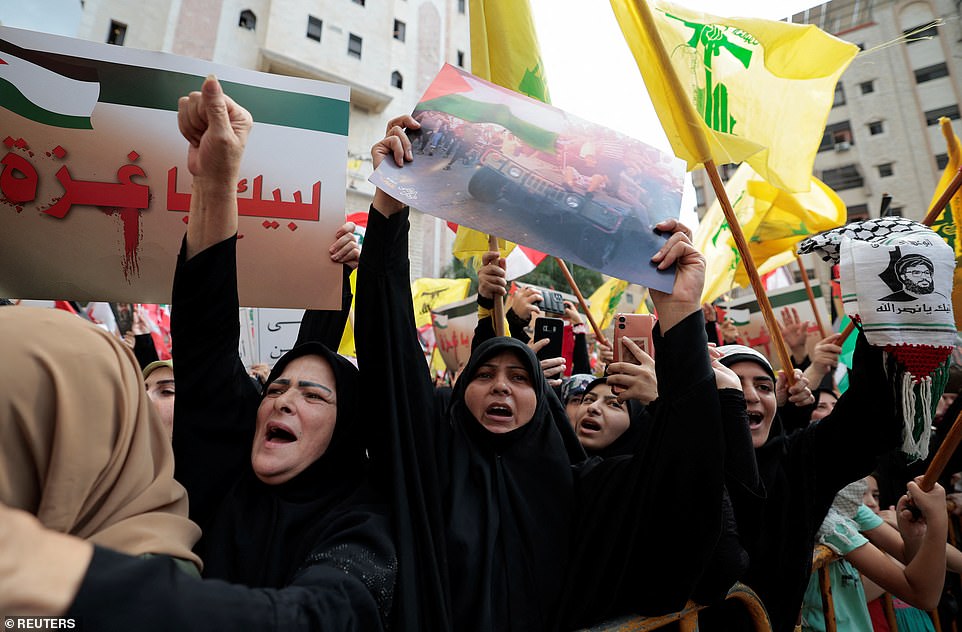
(826,244)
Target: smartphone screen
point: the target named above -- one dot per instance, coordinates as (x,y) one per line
(553,330)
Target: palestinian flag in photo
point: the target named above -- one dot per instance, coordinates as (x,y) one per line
(471,99)
(45,96)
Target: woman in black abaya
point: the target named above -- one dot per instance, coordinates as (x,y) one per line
(501,524)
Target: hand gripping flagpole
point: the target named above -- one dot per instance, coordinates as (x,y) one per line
(497,314)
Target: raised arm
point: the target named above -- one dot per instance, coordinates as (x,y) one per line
(629,499)
(401,406)
(214,395)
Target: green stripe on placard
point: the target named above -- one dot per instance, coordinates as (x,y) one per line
(780,300)
(456,312)
(12,99)
(159,89)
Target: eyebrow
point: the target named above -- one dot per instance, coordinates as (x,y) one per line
(302,384)
(159,382)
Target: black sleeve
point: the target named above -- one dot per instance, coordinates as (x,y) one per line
(864,424)
(516,326)
(216,402)
(794,417)
(405,432)
(484,330)
(580,360)
(345,585)
(643,503)
(711,330)
(144,350)
(327,326)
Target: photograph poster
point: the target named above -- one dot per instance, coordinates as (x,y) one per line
(501,163)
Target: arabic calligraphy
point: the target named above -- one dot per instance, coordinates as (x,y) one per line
(256,205)
(909,309)
(19,183)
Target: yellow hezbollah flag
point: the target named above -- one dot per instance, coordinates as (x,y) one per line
(773,222)
(604,301)
(737,89)
(949,223)
(504,50)
(431,293)
(346,348)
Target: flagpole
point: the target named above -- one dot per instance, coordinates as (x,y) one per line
(600,337)
(497,315)
(943,200)
(739,237)
(811,295)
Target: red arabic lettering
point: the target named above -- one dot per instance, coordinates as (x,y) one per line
(18,182)
(256,205)
(123,194)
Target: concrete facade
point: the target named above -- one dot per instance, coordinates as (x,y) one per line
(371,46)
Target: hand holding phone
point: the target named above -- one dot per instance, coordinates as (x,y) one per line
(638,328)
(553,330)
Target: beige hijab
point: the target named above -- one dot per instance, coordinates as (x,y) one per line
(81,446)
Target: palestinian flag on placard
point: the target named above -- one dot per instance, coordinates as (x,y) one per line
(62,91)
(45,96)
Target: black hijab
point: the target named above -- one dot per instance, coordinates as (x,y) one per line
(508,500)
(628,442)
(263,533)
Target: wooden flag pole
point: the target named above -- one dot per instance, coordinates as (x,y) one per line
(773,329)
(600,337)
(498,314)
(945,451)
(811,295)
(943,200)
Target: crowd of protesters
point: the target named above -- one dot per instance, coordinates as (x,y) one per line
(144,494)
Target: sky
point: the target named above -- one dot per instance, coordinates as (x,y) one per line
(591,73)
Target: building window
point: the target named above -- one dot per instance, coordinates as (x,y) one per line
(875,128)
(885,170)
(931,72)
(397,80)
(846,177)
(837,136)
(867,87)
(354,46)
(839,95)
(941,160)
(700,196)
(460,59)
(921,32)
(247,20)
(117,33)
(399,30)
(461,7)
(314,27)
(932,116)
(857,212)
